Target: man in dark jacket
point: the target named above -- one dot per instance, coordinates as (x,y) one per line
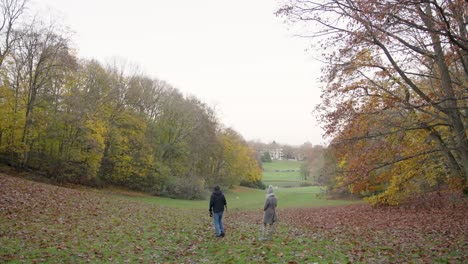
(217,205)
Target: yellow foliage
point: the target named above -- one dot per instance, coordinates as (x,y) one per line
(239,158)
(342,163)
(95,145)
(389,168)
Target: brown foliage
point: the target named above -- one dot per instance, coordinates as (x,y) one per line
(395,95)
(425,228)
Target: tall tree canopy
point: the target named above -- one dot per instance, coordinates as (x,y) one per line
(396,99)
(80,121)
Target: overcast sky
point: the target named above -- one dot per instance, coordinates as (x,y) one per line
(236,56)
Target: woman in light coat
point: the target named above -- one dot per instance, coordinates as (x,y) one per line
(269,215)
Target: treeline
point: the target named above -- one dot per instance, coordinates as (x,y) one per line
(83,122)
(395,104)
(312,158)
(289,152)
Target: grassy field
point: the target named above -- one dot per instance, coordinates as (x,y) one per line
(246,198)
(282,165)
(41,223)
(46,223)
(282,173)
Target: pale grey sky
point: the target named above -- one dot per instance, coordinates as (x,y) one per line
(234,55)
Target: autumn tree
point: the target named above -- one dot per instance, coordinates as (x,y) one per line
(331,173)
(237,164)
(40,57)
(304,172)
(289,152)
(396,91)
(80,121)
(10,13)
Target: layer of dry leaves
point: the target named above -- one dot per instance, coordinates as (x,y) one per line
(422,230)
(59,223)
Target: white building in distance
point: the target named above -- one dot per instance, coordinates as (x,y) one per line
(275,154)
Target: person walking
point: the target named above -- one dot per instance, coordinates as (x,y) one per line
(217,205)
(269,215)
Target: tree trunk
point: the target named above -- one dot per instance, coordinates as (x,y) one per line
(450,106)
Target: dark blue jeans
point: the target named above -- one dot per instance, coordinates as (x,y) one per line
(218,223)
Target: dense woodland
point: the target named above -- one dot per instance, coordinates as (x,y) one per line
(80,121)
(395,106)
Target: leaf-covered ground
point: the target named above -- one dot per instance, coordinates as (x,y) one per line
(45,223)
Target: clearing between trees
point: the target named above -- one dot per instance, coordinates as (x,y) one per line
(46,223)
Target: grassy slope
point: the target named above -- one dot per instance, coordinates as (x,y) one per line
(276,174)
(281,165)
(45,223)
(246,198)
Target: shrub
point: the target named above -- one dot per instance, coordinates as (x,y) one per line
(258,184)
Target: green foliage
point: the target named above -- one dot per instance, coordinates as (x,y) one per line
(305,172)
(266,157)
(258,184)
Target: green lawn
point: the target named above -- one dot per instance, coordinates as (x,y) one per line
(282,165)
(41,223)
(45,223)
(282,179)
(282,173)
(247,198)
